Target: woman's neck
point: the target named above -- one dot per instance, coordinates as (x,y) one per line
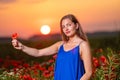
(73,39)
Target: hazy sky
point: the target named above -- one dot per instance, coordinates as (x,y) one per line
(27,16)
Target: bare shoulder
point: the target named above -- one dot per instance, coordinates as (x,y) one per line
(84,47)
(59,43)
(84,44)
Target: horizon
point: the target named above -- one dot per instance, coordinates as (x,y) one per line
(90,34)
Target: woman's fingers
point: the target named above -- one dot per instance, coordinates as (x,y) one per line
(16,44)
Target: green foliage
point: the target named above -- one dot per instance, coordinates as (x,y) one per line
(110,68)
(9,76)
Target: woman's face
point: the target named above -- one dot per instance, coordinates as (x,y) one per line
(68,27)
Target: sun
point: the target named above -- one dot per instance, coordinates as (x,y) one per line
(45,29)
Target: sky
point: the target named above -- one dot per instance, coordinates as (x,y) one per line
(27,16)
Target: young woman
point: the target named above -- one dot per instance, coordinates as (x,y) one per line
(74,59)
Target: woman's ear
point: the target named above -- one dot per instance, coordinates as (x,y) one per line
(77,26)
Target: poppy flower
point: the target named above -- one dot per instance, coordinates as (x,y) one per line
(14,36)
(103,60)
(96,62)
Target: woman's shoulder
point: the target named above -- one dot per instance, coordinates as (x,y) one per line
(59,43)
(84,46)
(83,43)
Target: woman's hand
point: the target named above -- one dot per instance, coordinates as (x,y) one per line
(17,45)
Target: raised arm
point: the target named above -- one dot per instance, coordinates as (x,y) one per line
(87,60)
(37,52)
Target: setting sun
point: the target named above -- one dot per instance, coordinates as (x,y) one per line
(45,29)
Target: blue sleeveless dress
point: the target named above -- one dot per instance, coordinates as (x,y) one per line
(69,65)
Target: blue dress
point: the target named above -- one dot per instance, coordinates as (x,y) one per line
(69,65)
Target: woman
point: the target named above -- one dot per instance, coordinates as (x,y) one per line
(73,52)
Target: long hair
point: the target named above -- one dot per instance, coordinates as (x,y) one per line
(79,31)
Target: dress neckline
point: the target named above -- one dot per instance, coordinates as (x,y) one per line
(72,48)
(69,49)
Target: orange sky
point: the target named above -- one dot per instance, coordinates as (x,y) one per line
(26,16)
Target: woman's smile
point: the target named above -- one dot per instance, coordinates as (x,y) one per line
(67,32)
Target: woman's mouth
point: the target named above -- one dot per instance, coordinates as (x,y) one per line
(67,32)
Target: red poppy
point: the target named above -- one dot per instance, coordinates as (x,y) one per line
(51,61)
(36,72)
(50,68)
(46,74)
(103,60)
(55,56)
(96,62)
(42,68)
(27,77)
(26,65)
(36,66)
(14,36)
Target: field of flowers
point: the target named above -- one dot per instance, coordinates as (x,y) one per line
(19,66)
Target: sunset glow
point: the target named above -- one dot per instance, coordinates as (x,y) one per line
(26,16)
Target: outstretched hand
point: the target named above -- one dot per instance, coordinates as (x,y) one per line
(16,44)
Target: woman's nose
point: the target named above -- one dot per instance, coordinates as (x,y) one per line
(66,28)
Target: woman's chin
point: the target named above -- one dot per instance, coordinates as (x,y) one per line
(69,35)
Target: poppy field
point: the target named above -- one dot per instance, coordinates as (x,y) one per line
(16,65)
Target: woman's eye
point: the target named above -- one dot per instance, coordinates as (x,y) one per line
(69,24)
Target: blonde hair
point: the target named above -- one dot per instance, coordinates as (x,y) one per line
(79,31)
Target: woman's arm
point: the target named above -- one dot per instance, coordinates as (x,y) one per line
(37,52)
(87,60)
